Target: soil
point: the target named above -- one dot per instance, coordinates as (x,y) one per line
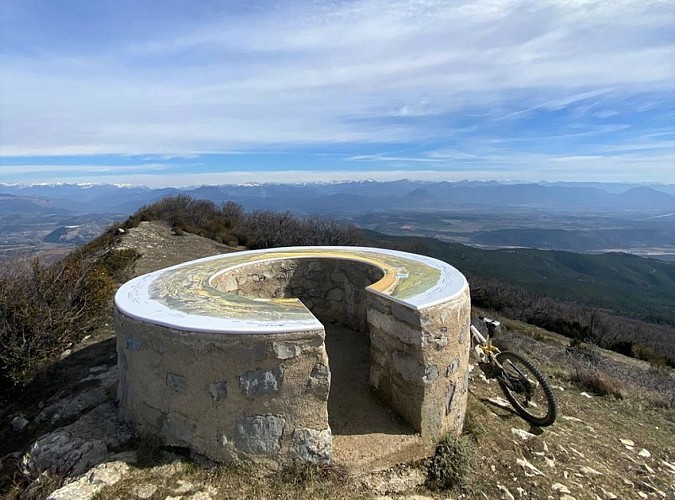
(367,434)
(160,247)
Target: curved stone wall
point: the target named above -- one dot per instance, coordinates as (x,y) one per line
(225,355)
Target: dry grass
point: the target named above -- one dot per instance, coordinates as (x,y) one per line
(242,481)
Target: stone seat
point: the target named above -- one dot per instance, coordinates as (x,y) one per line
(226,354)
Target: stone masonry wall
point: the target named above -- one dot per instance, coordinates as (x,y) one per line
(232,396)
(227,396)
(419,361)
(330,288)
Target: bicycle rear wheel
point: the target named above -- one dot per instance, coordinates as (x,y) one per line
(526,389)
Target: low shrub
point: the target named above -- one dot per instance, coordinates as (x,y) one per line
(451,465)
(46,309)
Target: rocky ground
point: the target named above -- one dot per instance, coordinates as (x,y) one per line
(61,438)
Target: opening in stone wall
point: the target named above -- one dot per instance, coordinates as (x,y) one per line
(334,290)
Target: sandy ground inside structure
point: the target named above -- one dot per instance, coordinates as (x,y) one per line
(367,434)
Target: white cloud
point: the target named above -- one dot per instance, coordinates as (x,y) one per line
(323,73)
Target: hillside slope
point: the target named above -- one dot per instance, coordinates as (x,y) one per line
(628,285)
(617,445)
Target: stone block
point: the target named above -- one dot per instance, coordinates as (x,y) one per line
(335,294)
(319,381)
(394,328)
(218,390)
(409,368)
(312,446)
(406,314)
(260,434)
(176,382)
(133,343)
(262,382)
(179,429)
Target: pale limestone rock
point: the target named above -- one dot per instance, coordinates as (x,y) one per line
(394,481)
(184,487)
(145,490)
(560,488)
(85,488)
(499,401)
(504,493)
(73,449)
(521,433)
(75,405)
(588,471)
(644,453)
(528,467)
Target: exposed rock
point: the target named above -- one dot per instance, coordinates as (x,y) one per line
(499,401)
(528,467)
(644,453)
(588,471)
(184,487)
(522,434)
(145,490)
(73,449)
(394,481)
(73,406)
(504,493)
(560,488)
(86,487)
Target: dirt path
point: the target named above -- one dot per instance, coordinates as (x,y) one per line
(367,434)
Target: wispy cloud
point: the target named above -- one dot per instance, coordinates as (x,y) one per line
(544,78)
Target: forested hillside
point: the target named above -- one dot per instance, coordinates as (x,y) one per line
(620,301)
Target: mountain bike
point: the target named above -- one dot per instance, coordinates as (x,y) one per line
(522,383)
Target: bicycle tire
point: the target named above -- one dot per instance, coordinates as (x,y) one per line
(519,388)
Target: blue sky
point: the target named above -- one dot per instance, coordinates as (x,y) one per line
(184,92)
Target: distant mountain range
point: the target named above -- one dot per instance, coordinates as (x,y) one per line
(353,197)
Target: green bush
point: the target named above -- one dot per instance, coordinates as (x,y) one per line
(452,463)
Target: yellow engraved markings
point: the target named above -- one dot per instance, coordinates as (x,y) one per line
(189,288)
